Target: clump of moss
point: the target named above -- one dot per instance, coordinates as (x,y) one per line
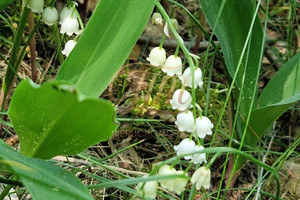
(144,103)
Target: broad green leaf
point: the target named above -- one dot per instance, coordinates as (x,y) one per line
(42,179)
(5,3)
(284,87)
(282,90)
(105,44)
(232,30)
(261,120)
(53,119)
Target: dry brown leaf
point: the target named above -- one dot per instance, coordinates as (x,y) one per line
(135,53)
(291,171)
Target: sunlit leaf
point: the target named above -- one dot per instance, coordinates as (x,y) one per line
(53,119)
(107,41)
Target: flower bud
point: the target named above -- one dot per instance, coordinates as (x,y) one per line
(199,158)
(157,56)
(203,127)
(36,5)
(50,16)
(181,100)
(70,25)
(202,178)
(69,47)
(185,121)
(156,18)
(149,190)
(186,146)
(172,66)
(186,78)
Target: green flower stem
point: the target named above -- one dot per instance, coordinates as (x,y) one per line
(80,20)
(69,2)
(185,51)
(162,41)
(176,51)
(52,3)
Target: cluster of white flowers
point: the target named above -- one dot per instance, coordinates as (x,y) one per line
(171,65)
(68,20)
(201,178)
(186,121)
(176,185)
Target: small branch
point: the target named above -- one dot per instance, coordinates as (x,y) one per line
(169,43)
(32,48)
(264,161)
(272,58)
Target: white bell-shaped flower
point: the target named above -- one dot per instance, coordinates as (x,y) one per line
(156,18)
(70,25)
(186,78)
(186,146)
(36,5)
(199,158)
(149,190)
(202,178)
(69,47)
(66,12)
(179,184)
(203,127)
(50,16)
(185,121)
(181,100)
(166,170)
(157,56)
(172,66)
